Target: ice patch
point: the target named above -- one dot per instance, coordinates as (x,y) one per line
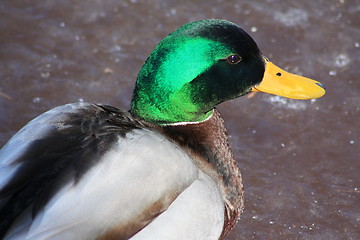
(116,48)
(342,60)
(172,12)
(291,17)
(45,74)
(287,103)
(332,73)
(253,29)
(336,60)
(36,100)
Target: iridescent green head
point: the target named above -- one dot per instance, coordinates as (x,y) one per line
(195,68)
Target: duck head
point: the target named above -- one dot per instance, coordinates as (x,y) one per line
(205,63)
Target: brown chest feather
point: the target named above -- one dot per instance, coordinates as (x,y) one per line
(207,143)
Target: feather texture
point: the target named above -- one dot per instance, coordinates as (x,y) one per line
(80,153)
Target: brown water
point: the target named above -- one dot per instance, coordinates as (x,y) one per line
(299,159)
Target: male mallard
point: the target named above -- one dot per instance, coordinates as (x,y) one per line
(163,170)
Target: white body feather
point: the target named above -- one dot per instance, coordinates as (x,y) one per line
(140,170)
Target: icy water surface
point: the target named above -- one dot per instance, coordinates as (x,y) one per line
(299,159)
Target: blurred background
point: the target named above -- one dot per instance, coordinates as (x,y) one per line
(299,159)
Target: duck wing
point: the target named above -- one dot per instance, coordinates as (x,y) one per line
(88,170)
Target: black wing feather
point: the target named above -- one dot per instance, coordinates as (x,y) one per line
(72,145)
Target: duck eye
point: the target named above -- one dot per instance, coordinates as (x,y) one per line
(234,59)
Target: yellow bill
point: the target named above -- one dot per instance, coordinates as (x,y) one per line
(279,82)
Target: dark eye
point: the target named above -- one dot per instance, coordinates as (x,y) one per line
(234,59)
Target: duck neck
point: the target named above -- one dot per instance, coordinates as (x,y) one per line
(207,143)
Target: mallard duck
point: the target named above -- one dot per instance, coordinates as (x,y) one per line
(163,169)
